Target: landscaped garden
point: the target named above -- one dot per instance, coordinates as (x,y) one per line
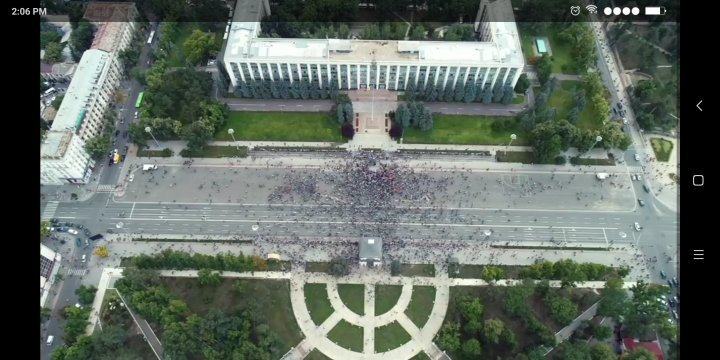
(467,130)
(390,336)
(281,126)
(662,148)
(421,304)
(563,100)
(562,59)
(417,270)
(318,304)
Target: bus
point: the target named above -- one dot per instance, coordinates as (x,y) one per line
(152,35)
(139,100)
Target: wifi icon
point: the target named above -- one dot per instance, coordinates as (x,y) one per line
(591,9)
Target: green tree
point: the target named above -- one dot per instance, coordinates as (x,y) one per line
(198,134)
(493,330)
(98,147)
(522,84)
(402,115)
(449,337)
(417,33)
(544,68)
(81,39)
(44,229)
(470,92)
(491,273)
(53,53)
(602,333)
(339,267)
(639,354)
(58,101)
(86,294)
(508,338)
(562,310)
(76,321)
(198,46)
(573,351)
(615,301)
(471,311)
(371,32)
(395,268)
(45,314)
(602,351)
(47,37)
(207,277)
(472,348)
(343,31)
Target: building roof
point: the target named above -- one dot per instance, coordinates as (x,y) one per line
(504,49)
(106,36)
(652,346)
(371,248)
(97,11)
(55,144)
(83,86)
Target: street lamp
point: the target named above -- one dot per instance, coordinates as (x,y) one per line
(231,132)
(597,140)
(149,131)
(512,137)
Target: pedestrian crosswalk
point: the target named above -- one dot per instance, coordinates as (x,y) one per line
(105,188)
(77,272)
(49,211)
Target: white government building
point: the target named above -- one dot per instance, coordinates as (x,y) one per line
(382,64)
(63,158)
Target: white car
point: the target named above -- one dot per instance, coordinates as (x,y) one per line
(73,231)
(639,177)
(131,178)
(637,226)
(637,157)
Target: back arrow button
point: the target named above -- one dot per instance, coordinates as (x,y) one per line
(698,105)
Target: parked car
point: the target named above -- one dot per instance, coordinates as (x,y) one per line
(641,202)
(674,281)
(663,275)
(639,177)
(87,232)
(80,226)
(78,242)
(646,188)
(637,157)
(73,231)
(137,113)
(637,226)
(633,177)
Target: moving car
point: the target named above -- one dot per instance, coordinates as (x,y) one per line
(641,202)
(637,226)
(73,231)
(137,113)
(50,340)
(646,188)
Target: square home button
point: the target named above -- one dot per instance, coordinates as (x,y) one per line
(698,180)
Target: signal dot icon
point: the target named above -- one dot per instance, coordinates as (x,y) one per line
(591,9)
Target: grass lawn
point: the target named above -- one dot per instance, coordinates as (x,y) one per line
(281,126)
(663,148)
(317,301)
(596,162)
(465,130)
(153,153)
(322,267)
(421,304)
(525,157)
(386,296)
(518,99)
(347,335)
(417,270)
(420,356)
(390,336)
(316,355)
(274,295)
(353,296)
(563,100)
(211,151)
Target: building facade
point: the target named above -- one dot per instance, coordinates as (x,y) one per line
(49,266)
(495,60)
(63,159)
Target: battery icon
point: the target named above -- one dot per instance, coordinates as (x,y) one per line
(655,10)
